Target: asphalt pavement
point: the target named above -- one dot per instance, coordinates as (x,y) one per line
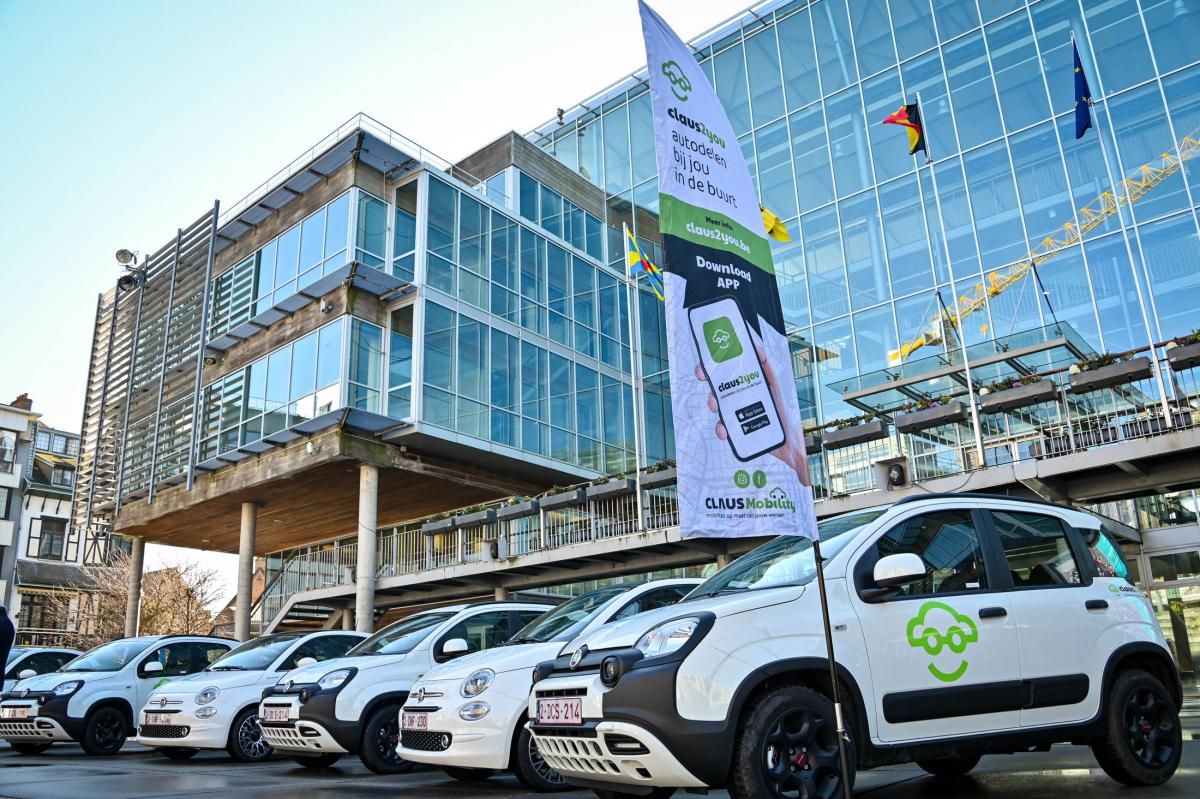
(64,772)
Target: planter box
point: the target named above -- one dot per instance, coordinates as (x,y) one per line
(440,526)
(1154,424)
(1094,438)
(858,434)
(663,477)
(949,413)
(520,510)
(1117,374)
(1012,398)
(476,519)
(812,443)
(566,499)
(1185,357)
(613,488)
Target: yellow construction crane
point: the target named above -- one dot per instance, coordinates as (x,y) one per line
(1091,216)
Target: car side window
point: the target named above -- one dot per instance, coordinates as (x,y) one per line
(652,600)
(1037,550)
(42,662)
(176,659)
(16,668)
(949,545)
(204,655)
(482,631)
(1106,554)
(526,616)
(61,659)
(320,649)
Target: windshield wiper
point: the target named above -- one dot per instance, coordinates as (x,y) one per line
(525,640)
(227,668)
(728,590)
(79,669)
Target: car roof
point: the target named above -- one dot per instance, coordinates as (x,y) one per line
(1078,517)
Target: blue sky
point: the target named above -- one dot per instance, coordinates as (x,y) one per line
(121,121)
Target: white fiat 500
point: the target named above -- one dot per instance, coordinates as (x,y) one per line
(218,708)
(964,625)
(320,712)
(25,662)
(92,699)
(479,702)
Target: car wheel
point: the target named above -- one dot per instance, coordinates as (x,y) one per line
(1142,739)
(316,761)
(787,746)
(178,752)
(246,742)
(959,766)
(104,732)
(381,736)
(655,793)
(28,748)
(467,774)
(531,769)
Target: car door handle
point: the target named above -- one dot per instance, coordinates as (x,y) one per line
(1096,604)
(992,613)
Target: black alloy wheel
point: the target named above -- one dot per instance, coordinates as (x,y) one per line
(381,736)
(1142,739)
(105,732)
(246,741)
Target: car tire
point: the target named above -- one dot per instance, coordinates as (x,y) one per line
(655,793)
(28,748)
(467,774)
(178,752)
(957,766)
(316,762)
(104,732)
(246,743)
(787,744)
(1142,739)
(381,735)
(529,767)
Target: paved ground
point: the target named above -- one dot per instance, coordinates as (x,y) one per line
(65,772)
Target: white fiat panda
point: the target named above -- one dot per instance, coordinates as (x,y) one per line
(351,705)
(468,716)
(964,625)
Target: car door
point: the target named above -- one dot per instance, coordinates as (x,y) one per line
(1061,615)
(176,660)
(943,650)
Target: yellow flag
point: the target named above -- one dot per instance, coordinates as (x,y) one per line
(774,225)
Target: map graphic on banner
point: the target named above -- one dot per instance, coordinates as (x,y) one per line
(739,441)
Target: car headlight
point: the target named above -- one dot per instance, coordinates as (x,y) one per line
(67,688)
(667,638)
(477,683)
(207,695)
(474,711)
(335,679)
(206,712)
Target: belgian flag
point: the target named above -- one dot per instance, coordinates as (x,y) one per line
(910,117)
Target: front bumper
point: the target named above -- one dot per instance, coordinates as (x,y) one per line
(47,722)
(302,733)
(184,730)
(483,744)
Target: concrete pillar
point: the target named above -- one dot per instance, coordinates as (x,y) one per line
(722,560)
(245,577)
(368,497)
(348,618)
(501,593)
(133,599)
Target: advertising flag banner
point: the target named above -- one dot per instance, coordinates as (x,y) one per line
(739,441)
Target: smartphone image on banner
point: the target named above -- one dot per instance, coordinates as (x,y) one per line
(744,400)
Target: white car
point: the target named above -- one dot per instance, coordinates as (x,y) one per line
(218,708)
(24,662)
(91,700)
(319,713)
(964,625)
(480,701)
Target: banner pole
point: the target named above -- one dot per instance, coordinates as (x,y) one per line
(635,364)
(835,687)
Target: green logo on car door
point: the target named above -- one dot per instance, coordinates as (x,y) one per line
(925,630)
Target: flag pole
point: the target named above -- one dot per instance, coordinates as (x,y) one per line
(962,340)
(635,368)
(1133,266)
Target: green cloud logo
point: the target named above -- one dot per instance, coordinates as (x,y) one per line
(681,86)
(722,339)
(959,633)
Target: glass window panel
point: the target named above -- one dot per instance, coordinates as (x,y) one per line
(337,226)
(1172,252)
(256,387)
(1018,75)
(994,201)
(1174,27)
(826,269)
(558,278)
(799,59)
(437,407)
(875,337)
(925,75)
(304,366)
(442,216)
(913,25)
(289,256)
(913,317)
(908,246)
(1053,22)
(440,274)
(587,402)
(439,346)
(954,17)
(848,141)
(888,142)
(863,241)
(1085,170)
(766,83)
(552,211)
(472,234)
(562,445)
(504,251)
(506,373)
(1037,550)
(616,150)
(534,389)
(810,154)
(1118,44)
(1183,103)
(265,267)
(371,237)
(589,152)
(1068,285)
(472,364)
(1041,181)
(953,196)
(641,135)
(329,355)
(471,418)
(613,426)
(565,148)
(366,353)
(788,258)
(529,197)
(312,241)
(562,407)
(948,544)
(776,187)
(990,9)
(279,365)
(731,88)
(835,361)
(1116,295)
(972,93)
(872,35)
(473,289)
(835,48)
(1142,135)
(400,351)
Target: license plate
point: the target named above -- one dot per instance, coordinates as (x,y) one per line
(14,712)
(415,721)
(560,710)
(158,718)
(276,713)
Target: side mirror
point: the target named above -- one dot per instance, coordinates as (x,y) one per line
(151,668)
(302,662)
(25,675)
(455,647)
(893,571)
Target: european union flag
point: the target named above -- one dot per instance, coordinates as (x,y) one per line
(1083,97)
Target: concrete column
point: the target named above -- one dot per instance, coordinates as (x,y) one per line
(348,618)
(133,600)
(501,593)
(368,497)
(245,578)
(722,560)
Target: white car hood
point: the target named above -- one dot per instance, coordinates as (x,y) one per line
(627,633)
(46,682)
(218,679)
(315,671)
(499,659)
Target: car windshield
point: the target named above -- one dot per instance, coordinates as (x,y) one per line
(787,560)
(13,654)
(565,621)
(402,637)
(256,655)
(112,656)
